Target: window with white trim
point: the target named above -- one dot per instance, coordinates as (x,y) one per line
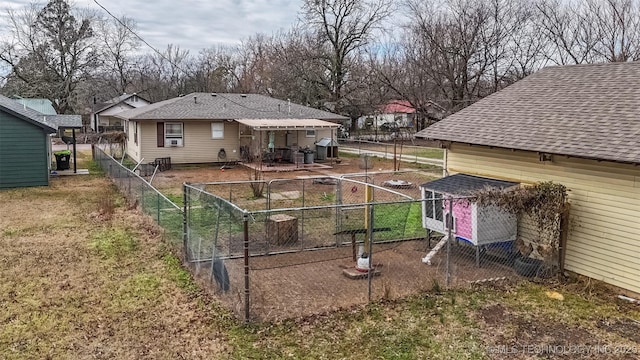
(217,130)
(311,133)
(173,134)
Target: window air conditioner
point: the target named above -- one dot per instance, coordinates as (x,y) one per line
(173,142)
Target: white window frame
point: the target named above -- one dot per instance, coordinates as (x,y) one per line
(168,136)
(220,132)
(311,133)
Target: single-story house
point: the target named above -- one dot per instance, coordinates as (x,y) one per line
(210,127)
(397,113)
(574,125)
(25,146)
(103,115)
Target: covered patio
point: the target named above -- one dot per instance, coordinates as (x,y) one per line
(283,144)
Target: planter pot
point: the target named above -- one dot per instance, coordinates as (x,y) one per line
(527,267)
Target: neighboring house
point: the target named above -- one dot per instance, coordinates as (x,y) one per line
(206,127)
(574,125)
(103,117)
(43,106)
(25,146)
(396,113)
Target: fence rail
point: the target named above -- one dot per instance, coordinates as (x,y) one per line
(317,244)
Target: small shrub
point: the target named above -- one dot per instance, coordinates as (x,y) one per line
(106,207)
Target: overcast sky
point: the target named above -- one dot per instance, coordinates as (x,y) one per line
(195,24)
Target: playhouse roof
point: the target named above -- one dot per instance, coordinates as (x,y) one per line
(462,184)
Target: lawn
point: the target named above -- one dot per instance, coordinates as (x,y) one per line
(83,275)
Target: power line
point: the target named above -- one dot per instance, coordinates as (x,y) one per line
(169,60)
(140,38)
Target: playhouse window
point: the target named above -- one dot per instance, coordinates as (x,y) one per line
(433,208)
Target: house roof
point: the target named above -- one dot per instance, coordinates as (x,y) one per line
(208,106)
(398,106)
(115,101)
(463,184)
(25,113)
(589,111)
(63,121)
(43,106)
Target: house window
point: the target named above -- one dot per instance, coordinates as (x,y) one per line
(135,132)
(217,130)
(173,134)
(311,133)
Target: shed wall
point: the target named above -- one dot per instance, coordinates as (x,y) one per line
(24,159)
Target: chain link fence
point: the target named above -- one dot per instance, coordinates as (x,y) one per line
(314,244)
(322,243)
(139,192)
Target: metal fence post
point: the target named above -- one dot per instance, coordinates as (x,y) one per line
(449,224)
(245,218)
(370,233)
(185,232)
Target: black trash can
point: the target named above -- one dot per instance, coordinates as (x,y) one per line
(62,159)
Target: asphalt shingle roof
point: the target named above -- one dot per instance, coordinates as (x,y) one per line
(115,101)
(589,111)
(223,106)
(463,184)
(25,113)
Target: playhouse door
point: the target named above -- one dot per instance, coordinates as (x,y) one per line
(432,214)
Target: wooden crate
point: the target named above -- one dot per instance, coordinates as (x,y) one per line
(282,229)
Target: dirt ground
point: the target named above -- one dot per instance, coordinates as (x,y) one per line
(305,283)
(171,180)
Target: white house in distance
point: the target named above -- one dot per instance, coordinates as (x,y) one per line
(210,127)
(103,116)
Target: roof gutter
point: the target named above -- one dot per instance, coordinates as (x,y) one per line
(532,151)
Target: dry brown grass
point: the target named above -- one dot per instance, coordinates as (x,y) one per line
(77,285)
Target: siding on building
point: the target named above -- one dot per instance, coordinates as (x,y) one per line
(198,147)
(604,231)
(24,159)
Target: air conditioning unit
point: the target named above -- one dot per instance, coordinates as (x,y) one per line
(173,142)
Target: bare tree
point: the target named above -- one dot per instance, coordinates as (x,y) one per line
(341,28)
(50,51)
(570,30)
(617,23)
(163,75)
(118,45)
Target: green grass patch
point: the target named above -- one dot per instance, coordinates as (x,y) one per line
(136,292)
(114,242)
(181,276)
(175,198)
(94,168)
(347,155)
